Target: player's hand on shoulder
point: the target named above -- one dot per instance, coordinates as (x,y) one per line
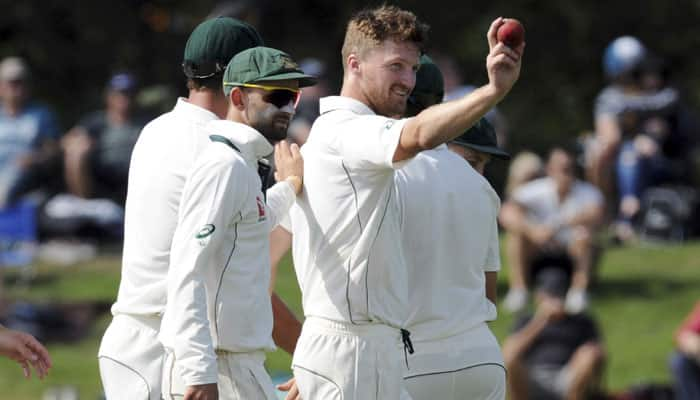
(209,391)
(289,164)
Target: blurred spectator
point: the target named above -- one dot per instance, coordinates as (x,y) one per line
(554,215)
(98,149)
(28,135)
(553,354)
(641,128)
(685,363)
(308,109)
(524,167)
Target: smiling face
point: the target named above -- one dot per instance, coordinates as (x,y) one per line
(268,119)
(386,75)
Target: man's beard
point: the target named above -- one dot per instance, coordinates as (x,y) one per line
(272,127)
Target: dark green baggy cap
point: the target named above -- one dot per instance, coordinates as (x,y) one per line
(263,64)
(482,137)
(212,44)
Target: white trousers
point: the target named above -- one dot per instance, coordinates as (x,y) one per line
(338,361)
(242,376)
(131,359)
(480,382)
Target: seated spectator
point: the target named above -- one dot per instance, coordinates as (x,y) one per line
(557,214)
(643,134)
(98,149)
(524,167)
(552,354)
(685,363)
(28,135)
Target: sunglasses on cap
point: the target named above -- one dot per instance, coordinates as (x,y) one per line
(277,95)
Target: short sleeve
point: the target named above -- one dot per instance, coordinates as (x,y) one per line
(368,141)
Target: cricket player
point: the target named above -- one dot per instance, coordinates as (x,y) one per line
(346,238)
(130,354)
(218,320)
(447,214)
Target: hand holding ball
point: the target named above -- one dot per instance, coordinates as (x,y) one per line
(511,33)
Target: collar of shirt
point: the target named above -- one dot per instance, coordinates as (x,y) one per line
(333,103)
(194,112)
(252,144)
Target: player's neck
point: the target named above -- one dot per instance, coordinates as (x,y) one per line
(209,100)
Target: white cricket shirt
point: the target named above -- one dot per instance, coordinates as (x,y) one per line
(450,235)
(219,275)
(543,205)
(160,162)
(347,255)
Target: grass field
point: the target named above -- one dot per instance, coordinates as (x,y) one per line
(642,295)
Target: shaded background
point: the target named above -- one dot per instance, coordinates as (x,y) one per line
(73,47)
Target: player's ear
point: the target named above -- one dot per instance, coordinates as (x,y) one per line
(236,97)
(353,63)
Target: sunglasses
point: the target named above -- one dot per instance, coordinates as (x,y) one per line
(278,96)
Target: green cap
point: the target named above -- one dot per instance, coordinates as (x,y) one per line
(482,137)
(429,88)
(212,44)
(263,64)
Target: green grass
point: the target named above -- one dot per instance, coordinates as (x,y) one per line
(641,297)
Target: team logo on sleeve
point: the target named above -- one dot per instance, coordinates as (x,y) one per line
(206,230)
(261,208)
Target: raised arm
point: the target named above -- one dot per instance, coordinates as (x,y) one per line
(443,122)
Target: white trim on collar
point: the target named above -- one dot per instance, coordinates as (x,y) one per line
(333,103)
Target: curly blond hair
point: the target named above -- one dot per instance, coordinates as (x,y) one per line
(370,27)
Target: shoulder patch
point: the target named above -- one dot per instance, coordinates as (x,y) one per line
(206,230)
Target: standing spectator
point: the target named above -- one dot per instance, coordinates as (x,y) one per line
(553,355)
(554,215)
(685,363)
(98,149)
(28,134)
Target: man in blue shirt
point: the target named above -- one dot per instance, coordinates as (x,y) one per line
(28,134)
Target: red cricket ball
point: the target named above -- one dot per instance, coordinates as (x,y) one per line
(511,33)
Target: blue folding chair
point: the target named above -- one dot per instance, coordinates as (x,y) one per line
(18,234)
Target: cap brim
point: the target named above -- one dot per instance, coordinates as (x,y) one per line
(304,80)
(494,151)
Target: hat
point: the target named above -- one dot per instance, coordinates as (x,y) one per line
(13,69)
(263,64)
(212,44)
(429,79)
(482,137)
(122,82)
(429,88)
(553,281)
